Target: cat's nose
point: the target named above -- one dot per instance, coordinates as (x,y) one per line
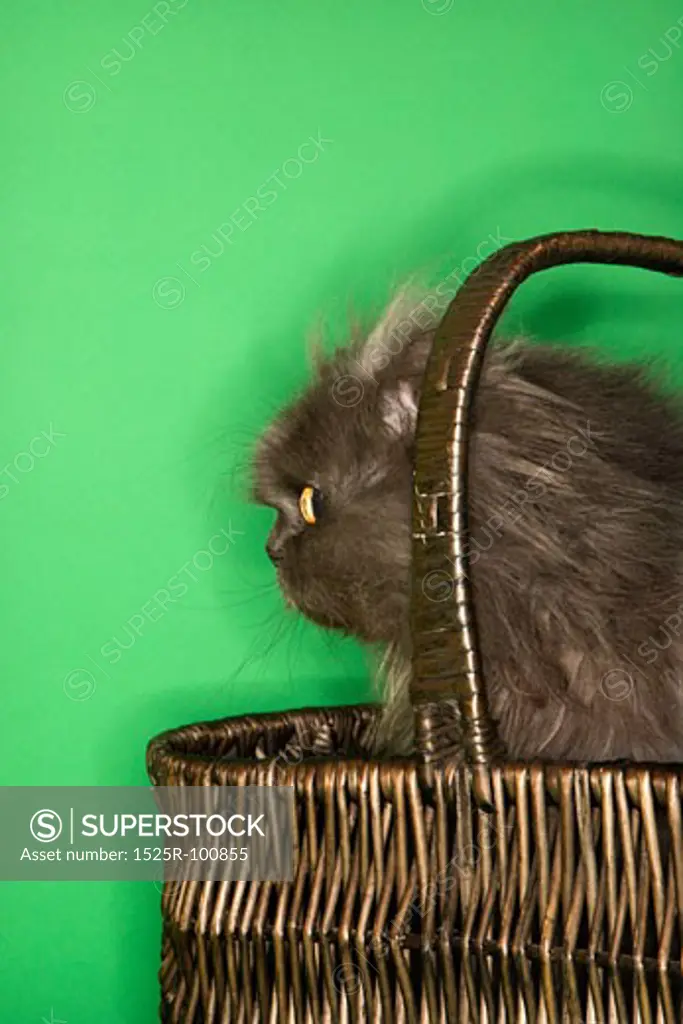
(274,551)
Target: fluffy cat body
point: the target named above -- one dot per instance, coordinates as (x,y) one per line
(576,533)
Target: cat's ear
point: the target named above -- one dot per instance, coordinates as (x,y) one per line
(394,355)
(403,321)
(397,350)
(398,405)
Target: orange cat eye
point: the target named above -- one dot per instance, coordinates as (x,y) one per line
(308,505)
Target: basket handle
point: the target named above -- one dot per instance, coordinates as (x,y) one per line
(446,659)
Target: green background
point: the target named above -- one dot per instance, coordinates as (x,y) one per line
(446,121)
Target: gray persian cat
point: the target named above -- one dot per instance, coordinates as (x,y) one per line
(576,535)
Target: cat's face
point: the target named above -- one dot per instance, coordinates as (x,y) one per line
(336,466)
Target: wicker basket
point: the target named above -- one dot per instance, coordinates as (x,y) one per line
(426,890)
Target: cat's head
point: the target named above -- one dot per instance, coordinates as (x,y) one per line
(336,466)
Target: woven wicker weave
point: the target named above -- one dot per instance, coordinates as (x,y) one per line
(426,890)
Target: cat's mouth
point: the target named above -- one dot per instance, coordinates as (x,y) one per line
(335,609)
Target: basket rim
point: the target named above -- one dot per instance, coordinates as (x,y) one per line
(166,750)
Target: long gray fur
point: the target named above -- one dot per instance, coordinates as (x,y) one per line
(576,533)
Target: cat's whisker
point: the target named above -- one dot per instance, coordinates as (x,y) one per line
(283,636)
(297,633)
(257,644)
